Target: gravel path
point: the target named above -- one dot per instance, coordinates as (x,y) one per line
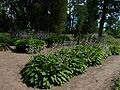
(96,78)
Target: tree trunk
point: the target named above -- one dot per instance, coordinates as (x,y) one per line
(102,21)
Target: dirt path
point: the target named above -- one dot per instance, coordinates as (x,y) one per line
(96,78)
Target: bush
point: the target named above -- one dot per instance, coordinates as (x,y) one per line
(26,45)
(35,45)
(55,69)
(92,54)
(22,45)
(42,72)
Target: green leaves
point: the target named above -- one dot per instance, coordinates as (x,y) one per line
(56,69)
(29,45)
(116,85)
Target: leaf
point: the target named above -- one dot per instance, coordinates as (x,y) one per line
(62,77)
(43,73)
(32,74)
(32,80)
(52,78)
(45,79)
(48,84)
(59,80)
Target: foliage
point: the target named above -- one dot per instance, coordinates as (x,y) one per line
(55,69)
(4,41)
(35,45)
(112,43)
(21,45)
(116,85)
(115,50)
(54,38)
(4,47)
(29,45)
(4,38)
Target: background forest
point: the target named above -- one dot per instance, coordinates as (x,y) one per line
(63,16)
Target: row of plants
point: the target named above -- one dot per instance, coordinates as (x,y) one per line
(55,69)
(23,44)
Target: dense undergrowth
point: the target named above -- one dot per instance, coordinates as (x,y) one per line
(55,69)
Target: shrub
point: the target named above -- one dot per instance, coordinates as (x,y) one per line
(35,45)
(21,45)
(14,39)
(42,72)
(92,54)
(29,45)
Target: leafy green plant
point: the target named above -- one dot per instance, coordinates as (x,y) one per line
(21,45)
(29,45)
(35,45)
(116,85)
(115,50)
(55,69)
(42,72)
(4,41)
(112,43)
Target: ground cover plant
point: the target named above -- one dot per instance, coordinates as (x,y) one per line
(116,82)
(57,68)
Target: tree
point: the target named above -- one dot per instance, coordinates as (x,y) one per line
(107,8)
(58,13)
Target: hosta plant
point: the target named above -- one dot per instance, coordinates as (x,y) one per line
(55,69)
(43,72)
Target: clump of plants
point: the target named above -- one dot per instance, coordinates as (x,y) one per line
(116,85)
(21,45)
(112,43)
(26,45)
(35,45)
(55,69)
